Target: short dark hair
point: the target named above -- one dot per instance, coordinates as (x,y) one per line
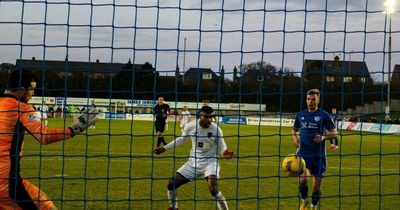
(207,109)
(20,78)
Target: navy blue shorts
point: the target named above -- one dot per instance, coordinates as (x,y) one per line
(316,164)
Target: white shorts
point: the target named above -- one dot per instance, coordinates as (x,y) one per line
(190,172)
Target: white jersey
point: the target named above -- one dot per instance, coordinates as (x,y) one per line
(205,143)
(43,109)
(185,118)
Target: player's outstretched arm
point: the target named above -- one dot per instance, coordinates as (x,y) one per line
(228,154)
(175,143)
(47,135)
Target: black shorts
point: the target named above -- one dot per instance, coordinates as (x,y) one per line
(160,125)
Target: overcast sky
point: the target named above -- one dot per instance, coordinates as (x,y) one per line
(229,33)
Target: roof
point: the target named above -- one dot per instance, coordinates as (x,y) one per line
(202,70)
(52,65)
(337,68)
(195,71)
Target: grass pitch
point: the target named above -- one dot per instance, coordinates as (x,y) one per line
(112,167)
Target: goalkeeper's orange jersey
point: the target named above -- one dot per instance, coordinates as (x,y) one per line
(16,118)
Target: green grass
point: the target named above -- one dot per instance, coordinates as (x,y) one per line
(113,167)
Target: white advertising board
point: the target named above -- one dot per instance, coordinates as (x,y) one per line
(270,121)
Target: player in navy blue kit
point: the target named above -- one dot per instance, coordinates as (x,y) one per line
(161,111)
(312,124)
(336,118)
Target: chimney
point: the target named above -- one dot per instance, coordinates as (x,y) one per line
(177,72)
(234,73)
(336,58)
(223,73)
(336,62)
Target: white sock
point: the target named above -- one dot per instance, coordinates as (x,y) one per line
(221,202)
(172,199)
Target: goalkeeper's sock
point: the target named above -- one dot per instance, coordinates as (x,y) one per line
(221,202)
(172,199)
(315,198)
(303,191)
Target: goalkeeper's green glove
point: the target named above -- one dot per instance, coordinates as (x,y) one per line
(84,120)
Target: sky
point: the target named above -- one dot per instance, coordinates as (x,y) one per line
(217,32)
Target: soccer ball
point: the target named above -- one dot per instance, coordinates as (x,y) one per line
(293,165)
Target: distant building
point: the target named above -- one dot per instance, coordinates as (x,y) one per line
(97,69)
(395,79)
(336,72)
(201,74)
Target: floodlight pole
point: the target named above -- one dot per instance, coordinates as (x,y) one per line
(184,60)
(389,66)
(389,9)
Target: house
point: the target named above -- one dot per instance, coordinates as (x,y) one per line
(336,72)
(97,69)
(200,74)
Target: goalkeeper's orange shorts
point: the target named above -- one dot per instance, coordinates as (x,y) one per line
(37,199)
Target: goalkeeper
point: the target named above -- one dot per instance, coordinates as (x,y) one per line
(16,117)
(207,139)
(312,123)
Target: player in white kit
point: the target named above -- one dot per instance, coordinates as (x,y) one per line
(185,117)
(207,140)
(43,112)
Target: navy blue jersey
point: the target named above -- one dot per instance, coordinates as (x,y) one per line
(334,117)
(311,124)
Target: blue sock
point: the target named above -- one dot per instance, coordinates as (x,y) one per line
(315,197)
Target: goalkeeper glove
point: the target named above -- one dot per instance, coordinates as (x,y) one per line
(84,121)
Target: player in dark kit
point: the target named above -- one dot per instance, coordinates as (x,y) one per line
(336,118)
(161,111)
(312,124)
